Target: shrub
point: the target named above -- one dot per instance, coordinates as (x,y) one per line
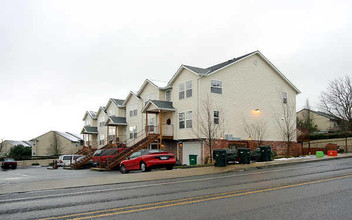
(35,164)
(20,152)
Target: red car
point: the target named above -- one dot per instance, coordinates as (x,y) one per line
(147,159)
(104,154)
(9,162)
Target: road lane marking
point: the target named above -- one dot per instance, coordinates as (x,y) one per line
(142,186)
(197,199)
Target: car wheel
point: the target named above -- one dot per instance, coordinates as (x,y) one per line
(170,167)
(123,169)
(144,167)
(14,167)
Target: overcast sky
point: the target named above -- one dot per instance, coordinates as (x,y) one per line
(61,58)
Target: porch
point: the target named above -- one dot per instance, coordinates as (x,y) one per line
(115,131)
(158,115)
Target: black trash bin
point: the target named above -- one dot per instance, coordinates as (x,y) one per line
(220,157)
(265,153)
(244,155)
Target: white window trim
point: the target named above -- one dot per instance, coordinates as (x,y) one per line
(166,99)
(217,87)
(218,118)
(185,119)
(185,89)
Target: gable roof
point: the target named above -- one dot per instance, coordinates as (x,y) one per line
(92,114)
(69,136)
(129,96)
(156,83)
(89,130)
(160,105)
(101,108)
(23,143)
(215,68)
(326,115)
(117,102)
(116,120)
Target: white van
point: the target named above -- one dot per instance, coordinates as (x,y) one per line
(67,160)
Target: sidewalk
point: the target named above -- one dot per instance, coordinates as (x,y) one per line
(136,177)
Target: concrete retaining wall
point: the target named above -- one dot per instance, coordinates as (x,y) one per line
(28,163)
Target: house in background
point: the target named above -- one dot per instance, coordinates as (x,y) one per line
(325,122)
(8,144)
(56,143)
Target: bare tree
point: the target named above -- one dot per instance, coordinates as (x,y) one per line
(337,101)
(2,146)
(256,130)
(210,125)
(306,125)
(285,118)
(55,148)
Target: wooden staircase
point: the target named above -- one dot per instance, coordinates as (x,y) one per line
(88,156)
(115,161)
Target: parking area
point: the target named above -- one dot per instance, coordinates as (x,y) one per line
(37,174)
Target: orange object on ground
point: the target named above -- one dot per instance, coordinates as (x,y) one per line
(332,153)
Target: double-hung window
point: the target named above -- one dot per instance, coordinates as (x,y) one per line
(185,90)
(216,86)
(181,91)
(216,117)
(133,110)
(102,121)
(133,132)
(284,97)
(185,119)
(188,89)
(168,95)
(181,120)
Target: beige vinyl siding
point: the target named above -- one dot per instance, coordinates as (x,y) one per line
(248,85)
(112,110)
(43,145)
(323,123)
(134,120)
(184,105)
(102,130)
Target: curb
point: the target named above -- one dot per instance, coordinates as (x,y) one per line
(234,169)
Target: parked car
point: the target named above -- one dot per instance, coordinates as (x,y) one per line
(145,160)
(67,160)
(9,163)
(104,154)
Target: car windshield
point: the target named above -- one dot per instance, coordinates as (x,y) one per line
(9,159)
(97,153)
(135,154)
(67,158)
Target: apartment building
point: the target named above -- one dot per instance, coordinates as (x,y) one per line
(245,89)
(90,129)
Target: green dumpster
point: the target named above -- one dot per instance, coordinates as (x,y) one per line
(244,155)
(265,153)
(220,157)
(192,159)
(319,154)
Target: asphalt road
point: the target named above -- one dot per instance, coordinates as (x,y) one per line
(320,190)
